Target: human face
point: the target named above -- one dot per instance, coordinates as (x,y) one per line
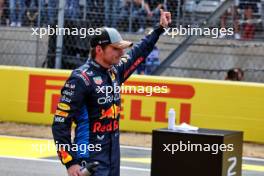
(110,55)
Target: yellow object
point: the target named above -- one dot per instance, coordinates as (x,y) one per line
(250,167)
(30,95)
(64,106)
(25,147)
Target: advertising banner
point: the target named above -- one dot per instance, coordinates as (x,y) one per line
(30,95)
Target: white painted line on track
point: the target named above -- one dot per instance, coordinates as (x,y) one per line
(33,138)
(253,159)
(57,161)
(135,147)
(125,147)
(135,169)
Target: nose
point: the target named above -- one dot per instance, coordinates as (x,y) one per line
(121,52)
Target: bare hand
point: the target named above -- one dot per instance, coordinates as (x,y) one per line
(165,18)
(75,170)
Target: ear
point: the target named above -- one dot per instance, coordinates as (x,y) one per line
(98,49)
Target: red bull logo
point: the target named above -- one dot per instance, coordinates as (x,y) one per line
(111,112)
(99,127)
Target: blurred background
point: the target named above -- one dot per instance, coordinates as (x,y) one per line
(184,56)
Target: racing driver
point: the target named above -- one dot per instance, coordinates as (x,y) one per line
(86,101)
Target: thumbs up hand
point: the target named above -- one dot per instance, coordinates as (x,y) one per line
(165,18)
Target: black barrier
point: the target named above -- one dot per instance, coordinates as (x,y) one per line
(75,50)
(196,153)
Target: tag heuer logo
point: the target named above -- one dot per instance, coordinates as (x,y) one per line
(98,80)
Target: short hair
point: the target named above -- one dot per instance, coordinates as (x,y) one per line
(93,51)
(235,74)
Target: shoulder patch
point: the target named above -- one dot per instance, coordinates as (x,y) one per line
(85,78)
(98,80)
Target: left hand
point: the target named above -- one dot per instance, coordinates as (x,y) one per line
(165,18)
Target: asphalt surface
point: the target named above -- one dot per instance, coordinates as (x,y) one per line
(135,161)
(129,165)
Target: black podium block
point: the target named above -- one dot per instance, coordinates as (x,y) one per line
(196,153)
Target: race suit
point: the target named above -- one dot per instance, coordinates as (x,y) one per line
(96,113)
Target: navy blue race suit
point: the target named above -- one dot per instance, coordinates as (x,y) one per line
(85,102)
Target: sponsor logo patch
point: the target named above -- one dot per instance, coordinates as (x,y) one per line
(68,93)
(66,99)
(64,106)
(59,119)
(85,79)
(65,156)
(100,127)
(71,86)
(61,113)
(113,76)
(98,80)
(111,112)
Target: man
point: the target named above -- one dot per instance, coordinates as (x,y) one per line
(111,11)
(96,113)
(153,10)
(234,12)
(235,74)
(16,15)
(137,11)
